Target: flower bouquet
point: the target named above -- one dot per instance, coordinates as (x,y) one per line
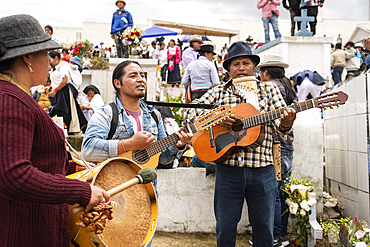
(347,232)
(299,208)
(132,36)
(81,48)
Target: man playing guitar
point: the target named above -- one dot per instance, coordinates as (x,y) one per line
(248,173)
(136,128)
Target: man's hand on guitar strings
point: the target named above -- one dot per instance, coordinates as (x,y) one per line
(287,118)
(185,138)
(228,122)
(141,140)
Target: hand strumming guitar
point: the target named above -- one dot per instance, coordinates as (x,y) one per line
(228,122)
(141,140)
(287,119)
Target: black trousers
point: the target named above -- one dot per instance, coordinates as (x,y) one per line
(292,15)
(313,11)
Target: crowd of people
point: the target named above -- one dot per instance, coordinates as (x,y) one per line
(352,58)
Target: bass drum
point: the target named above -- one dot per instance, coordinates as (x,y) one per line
(135,217)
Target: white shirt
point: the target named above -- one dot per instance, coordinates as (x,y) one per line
(162,57)
(153,52)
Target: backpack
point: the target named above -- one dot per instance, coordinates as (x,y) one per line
(114,121)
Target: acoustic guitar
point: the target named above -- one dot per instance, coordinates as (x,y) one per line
(216,143)
(150,156)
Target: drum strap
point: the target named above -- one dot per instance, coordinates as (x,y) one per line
(114,121)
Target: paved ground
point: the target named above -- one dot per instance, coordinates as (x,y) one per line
(165,239)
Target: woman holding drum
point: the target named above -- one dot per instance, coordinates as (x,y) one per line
(34,193)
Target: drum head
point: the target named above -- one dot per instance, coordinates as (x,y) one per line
(133,217)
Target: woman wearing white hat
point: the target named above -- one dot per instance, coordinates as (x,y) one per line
(359,46)
(273,69)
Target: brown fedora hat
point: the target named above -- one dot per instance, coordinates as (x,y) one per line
(21,35)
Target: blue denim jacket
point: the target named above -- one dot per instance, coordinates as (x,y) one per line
(96,147)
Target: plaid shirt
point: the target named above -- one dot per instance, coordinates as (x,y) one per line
(286,142)
(269,99)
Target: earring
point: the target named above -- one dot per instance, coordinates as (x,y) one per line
(31,70)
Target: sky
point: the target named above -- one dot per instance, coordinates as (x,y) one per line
(72,13)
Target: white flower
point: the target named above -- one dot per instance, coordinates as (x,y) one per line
(305,205)
(293,208)
(360,244)
(288,202)
(359,234)
(301,188)
(302,212)
(311,201)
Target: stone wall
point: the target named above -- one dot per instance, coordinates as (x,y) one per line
(346,136)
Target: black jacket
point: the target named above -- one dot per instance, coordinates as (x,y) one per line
(294,5)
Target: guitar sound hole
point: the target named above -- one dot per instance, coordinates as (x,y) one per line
(237,126)
(141,156)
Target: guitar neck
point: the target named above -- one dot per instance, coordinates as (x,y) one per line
(166,142)
(275,114)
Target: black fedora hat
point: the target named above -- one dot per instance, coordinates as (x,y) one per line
(207,48)
(21,35)
(239,49)
(86,89)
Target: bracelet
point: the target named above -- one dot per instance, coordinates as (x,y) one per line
(56,89)
(282,126)
(123,146)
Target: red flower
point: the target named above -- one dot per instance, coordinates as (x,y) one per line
(132,33)
(137,33)
(78,48)
(79,45)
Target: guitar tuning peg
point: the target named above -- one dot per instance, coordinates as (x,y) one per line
(337,106)
(331,107)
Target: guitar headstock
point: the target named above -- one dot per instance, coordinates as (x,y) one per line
(331,99)
(213,117)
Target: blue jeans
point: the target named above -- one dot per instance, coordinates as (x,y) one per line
(275,26)
(198,162)
(258,187)
(337,74)
(281,222)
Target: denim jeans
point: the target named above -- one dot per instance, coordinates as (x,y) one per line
(337,74)
(198,162)
(275,26)
(258,187)
(280,205)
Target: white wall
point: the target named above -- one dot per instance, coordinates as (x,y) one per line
(303,53)
(346,136)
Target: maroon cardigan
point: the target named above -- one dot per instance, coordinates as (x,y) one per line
(34,192)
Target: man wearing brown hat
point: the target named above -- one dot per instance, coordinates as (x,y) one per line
(191,53)
(121,20)
(248,174)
